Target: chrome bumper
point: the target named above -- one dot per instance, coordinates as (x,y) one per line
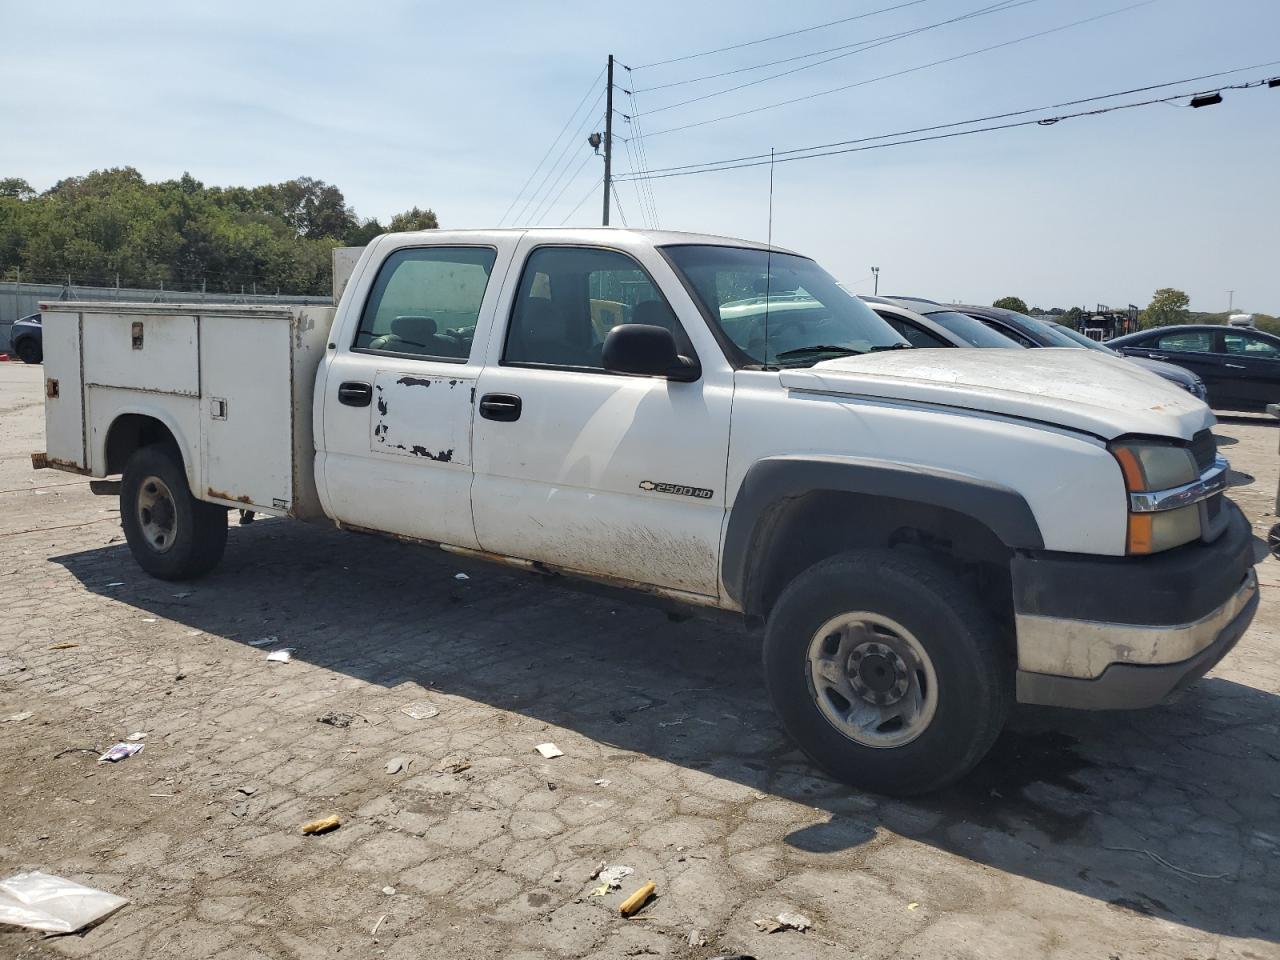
(1086,648)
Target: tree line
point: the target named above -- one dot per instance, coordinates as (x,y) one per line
(1169,306)
(112,226)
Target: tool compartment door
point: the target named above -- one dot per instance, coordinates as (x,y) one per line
(64,393)
(142,351)
(245,411)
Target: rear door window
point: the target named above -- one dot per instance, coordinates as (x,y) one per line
(425,302)
(1185,341)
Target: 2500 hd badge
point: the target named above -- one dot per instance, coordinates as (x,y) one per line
(678,489)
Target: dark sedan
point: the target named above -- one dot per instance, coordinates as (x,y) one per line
(26,339)
(1035,332)
(1239,366)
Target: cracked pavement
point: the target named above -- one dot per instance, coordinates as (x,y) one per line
(1152,834)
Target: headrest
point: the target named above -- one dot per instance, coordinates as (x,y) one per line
(653,312)
(414,329)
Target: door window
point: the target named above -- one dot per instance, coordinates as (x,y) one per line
(1244,345)
(425,302)
(911,333)
(1009,332)
(570,298)
(1186,341)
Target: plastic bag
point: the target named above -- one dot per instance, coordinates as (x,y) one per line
(45,902)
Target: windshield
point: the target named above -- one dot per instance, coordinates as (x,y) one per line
(973,332)
(1076,337)
(810,317)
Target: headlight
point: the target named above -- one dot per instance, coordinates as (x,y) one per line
(1149,467)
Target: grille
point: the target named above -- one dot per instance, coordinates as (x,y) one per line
(1204,448)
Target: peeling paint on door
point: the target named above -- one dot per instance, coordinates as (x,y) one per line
(410,420)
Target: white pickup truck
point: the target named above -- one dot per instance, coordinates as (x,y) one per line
(927,535)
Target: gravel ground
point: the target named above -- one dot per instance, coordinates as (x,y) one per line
(1153,834)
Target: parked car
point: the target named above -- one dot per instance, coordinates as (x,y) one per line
(26,339)
(1035,332)
(1240,367)
(927,324)
(926,536)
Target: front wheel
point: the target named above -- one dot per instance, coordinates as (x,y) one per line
(29,351)
(171,534)
(887,671)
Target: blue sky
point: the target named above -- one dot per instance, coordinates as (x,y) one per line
(452,105)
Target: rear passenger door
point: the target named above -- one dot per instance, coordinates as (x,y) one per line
(1194,350)
(1255,364)
(608,474)
(397,406)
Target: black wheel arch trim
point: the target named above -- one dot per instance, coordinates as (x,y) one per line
(771,482)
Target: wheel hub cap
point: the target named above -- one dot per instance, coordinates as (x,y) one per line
(872,679)
(157,514)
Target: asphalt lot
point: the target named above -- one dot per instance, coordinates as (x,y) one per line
(1153,834)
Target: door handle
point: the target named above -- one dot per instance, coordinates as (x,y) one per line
(354,393)
(503,407)
(1234,366)
(1157,356)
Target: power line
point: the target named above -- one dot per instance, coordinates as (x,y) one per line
(779,36)
(1042,121)
(618,200)
(872,44)
(644,158)
(899,73)
(534,173)
(560,158)
(984,119)
(774,63)
(546,208)
(585,198)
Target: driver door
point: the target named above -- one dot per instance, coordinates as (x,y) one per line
(612,475)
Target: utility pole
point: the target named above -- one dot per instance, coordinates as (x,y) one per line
(608,141)
(1231,299)
(875,272)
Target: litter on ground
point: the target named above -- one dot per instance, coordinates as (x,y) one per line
(322,826)
(135,737)
(633,903)
(341,720)
(784,921)
(420,710)
(461,576)
(263,641)
(121,751)
(549,750)
(17,717)
(613,876)
(281,656)
(41,901)
(397,764)
(453,763)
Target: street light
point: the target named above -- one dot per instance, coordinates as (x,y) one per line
(875,272)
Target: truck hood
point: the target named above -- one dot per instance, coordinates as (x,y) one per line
(1079,389)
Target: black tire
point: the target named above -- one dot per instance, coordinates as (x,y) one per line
(196,535)
(973,670)
(29,351)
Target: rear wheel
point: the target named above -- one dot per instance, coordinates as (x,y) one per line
(171,534)
(29,351)
(887,672)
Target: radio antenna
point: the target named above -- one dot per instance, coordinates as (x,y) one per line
(768,269)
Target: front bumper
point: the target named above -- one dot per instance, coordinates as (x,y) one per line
(1123,633)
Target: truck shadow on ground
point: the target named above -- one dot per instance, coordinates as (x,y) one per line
(1171,813)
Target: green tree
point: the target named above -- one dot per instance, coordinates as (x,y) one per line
(16,188)
(414,219)
(1168,306)
(1017,304)
(1072,317)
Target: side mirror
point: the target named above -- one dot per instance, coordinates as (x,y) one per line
(648,351)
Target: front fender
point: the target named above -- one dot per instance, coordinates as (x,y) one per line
(770,482)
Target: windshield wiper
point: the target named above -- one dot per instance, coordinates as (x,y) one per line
(891,346)
(817,348)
